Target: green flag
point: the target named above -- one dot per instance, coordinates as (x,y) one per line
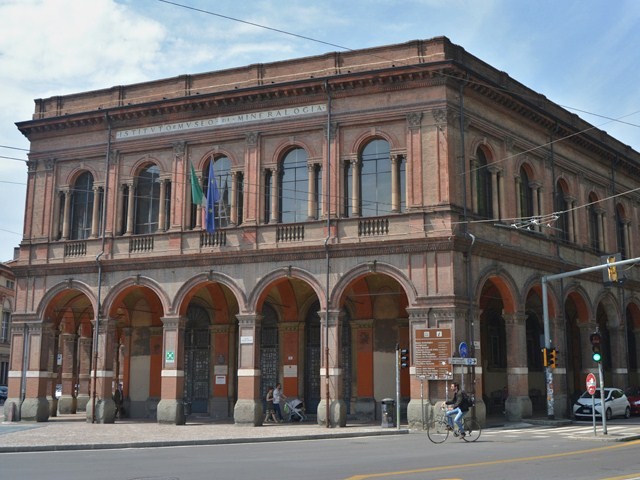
(197,196)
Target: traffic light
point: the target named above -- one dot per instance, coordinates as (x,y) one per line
(552,357)
(612,271)
(404,358)
(595,347)
(545,357)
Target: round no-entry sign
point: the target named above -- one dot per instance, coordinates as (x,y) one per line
(591,384)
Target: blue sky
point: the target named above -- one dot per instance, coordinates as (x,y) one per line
(583,55)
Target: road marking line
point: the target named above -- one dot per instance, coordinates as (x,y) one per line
(493,462)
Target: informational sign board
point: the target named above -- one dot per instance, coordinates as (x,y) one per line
(591,384)
(432,351)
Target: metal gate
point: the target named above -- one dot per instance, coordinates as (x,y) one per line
(312,361)
(269,350)
(196,359)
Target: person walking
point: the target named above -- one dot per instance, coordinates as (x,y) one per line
(278,396)
(271,414)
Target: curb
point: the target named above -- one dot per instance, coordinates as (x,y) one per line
(179,443)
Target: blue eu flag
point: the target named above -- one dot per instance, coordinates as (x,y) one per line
(212,198)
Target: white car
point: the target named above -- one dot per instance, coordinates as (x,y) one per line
(615,401)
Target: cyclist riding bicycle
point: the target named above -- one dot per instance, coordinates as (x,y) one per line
(458,406)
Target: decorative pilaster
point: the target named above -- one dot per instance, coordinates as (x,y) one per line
(248,408)
(171,406)
(332,408)
(101,407)
(518,404)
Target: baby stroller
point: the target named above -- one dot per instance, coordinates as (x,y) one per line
(294,409)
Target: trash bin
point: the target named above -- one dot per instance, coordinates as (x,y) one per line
(388,412)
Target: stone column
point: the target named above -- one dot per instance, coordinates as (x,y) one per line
(101,407)
(84,367)
(312,195)
(162,210)
(518,198)
(473,165)
(67,401)
(39,351)
(274,195)
(331,373)
(130,206)
(396,160)
(518,404)
(618,345)
(234,198)
(66,214)
(171,406)
(355,187)
(494,191)
(248,408)
(120,228)
(571,237)
(95,213)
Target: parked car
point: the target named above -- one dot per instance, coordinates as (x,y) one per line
(633,395)
(615,401)
(4,392)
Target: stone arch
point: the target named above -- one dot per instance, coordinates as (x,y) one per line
(362,140)
(73,175)
(257,295)
(370,267)
(138,281)
(577,294)
(184,294)
(215,154)
(286,146)
(610,307)
(505,284)
(54,291)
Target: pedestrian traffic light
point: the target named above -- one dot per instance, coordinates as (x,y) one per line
(404,358)
(595,347)
(552,357)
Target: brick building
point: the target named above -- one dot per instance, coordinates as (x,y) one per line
(7,289)
(362,197)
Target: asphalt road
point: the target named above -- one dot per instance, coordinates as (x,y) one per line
(534,453)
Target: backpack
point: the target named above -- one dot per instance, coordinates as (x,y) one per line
(466,402)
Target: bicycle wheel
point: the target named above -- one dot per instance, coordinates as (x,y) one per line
(472,430)
(437,430)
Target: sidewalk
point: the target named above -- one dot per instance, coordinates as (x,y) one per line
(73,432)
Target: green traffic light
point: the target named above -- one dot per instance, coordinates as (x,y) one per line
(597,357)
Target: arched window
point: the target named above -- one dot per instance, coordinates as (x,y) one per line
(82,207)
(526,195)
(222,172)
(293,194)
(484,190)
(147,200)
(375,179)
(594,223)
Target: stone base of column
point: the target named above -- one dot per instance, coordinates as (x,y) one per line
(105,411)
(518,408)
(560,406)
(67,404)
(53,406)
(248,412)
(34,410)
(337,413)
(81,403)
(418,413)
(171,411)
(480,411)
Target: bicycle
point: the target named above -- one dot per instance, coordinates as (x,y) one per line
(438,428)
